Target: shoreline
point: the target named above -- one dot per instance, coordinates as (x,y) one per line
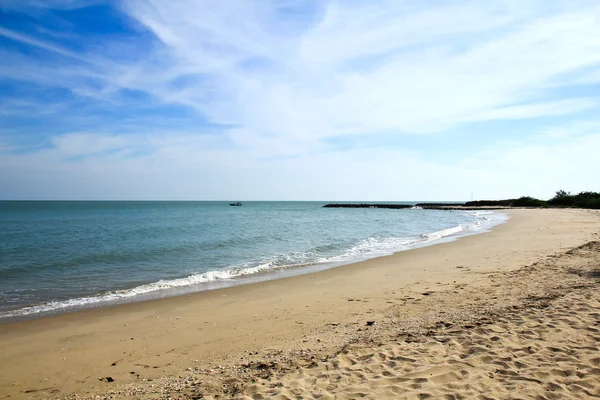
(129,295)
(316,313)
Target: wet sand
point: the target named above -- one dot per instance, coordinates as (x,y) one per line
(452,319)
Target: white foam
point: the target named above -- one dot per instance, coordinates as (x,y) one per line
(442,233)
(115,296)
(370,248)
(367,248)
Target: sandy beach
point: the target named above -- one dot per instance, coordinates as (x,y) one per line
(511,313)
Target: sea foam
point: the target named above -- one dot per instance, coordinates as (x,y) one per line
(323,255)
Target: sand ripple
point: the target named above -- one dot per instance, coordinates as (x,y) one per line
(531,333)
(548,353)
(548,349)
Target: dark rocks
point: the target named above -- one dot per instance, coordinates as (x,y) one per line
(364,205)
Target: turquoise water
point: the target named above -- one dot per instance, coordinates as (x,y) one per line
(60,256)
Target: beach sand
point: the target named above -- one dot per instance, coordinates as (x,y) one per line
(512,313)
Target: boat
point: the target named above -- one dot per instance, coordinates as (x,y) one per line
(235,203)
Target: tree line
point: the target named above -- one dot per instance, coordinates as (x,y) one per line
(562,198)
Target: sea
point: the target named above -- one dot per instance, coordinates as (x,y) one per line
(63,256)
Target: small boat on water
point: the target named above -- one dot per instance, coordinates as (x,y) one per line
(236,204)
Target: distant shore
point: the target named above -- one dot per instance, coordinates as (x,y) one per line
(562,199)
(428,206)
(225,341)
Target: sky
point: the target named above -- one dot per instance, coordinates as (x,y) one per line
(298,100)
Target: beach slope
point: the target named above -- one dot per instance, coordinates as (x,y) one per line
(512,309)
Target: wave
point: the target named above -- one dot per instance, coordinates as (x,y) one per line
(370,247)
(443,233)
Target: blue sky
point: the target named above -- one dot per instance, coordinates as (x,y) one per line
(298,100)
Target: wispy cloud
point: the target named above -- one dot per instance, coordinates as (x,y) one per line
(368,68)
(7,33)
(288,80)
(29,5)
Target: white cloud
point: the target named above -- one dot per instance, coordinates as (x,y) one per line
(555,108)
(348,68)
(389,66)
(285,80)
(189,167)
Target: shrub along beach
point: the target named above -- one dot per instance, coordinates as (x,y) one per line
(561,199)
(508,313)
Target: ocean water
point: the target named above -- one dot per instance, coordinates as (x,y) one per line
(62,256)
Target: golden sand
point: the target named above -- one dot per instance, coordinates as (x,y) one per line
(513,313)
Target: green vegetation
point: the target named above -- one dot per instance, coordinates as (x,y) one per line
(527,201)
(562,198)
(581,200)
